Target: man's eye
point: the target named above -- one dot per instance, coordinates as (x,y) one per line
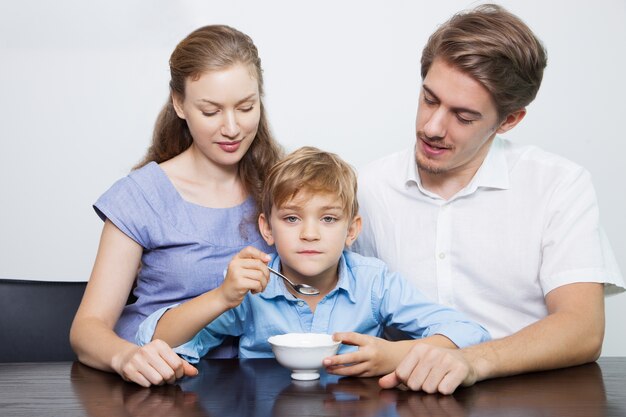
(429,101)
(464,121)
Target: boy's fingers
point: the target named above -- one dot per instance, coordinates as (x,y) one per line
(254,269)
(351,338)
(189,369)
(254,253)
(352,370)
(343,359)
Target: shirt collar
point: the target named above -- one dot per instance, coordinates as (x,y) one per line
(493,173)
(276,287)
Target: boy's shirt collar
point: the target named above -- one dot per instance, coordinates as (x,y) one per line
(277,287)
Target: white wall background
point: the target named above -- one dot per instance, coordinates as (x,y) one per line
(81,84)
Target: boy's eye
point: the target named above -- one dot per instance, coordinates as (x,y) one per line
(291,219)
(329,219)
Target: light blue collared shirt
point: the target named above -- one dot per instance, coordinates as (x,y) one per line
(367,298)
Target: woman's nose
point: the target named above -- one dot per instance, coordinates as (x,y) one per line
(230,125)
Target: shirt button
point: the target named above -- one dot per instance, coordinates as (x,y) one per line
(300,303)
(442,255)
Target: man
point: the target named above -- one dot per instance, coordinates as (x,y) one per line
(508,234)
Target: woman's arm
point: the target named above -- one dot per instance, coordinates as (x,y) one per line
(92,336)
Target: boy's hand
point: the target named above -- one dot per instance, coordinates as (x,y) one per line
(247,271)
(375,356)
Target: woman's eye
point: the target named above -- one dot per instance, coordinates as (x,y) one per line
(246,109)
(209,113)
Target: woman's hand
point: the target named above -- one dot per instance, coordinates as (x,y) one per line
(247,271)
(152,364)
(375,356)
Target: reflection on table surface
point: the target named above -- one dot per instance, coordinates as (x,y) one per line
(263,388)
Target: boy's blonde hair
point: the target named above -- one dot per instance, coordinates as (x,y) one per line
(311,170)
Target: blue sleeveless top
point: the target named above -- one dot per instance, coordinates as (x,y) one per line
(187,247)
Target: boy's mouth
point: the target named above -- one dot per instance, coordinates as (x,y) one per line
(309,252)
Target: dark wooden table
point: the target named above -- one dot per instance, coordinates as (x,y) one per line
(263,388)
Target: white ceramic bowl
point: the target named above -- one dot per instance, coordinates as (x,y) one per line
(303,352)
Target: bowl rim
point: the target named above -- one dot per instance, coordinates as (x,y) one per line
(273,341)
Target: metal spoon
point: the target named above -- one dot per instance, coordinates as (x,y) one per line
(301,288)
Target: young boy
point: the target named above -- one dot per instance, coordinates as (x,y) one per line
(310,214)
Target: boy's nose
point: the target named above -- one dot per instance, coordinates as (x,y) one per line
(309,231)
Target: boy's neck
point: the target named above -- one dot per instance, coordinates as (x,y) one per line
(325,282)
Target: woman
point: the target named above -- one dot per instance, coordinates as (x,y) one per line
(172,225)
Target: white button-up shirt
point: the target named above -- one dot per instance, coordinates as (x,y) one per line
(526,224)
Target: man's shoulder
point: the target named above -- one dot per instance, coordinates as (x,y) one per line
(534,158)
(534,169)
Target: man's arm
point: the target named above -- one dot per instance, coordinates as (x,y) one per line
(571,334)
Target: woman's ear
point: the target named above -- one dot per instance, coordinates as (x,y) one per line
(177,102)
(511,121)
(353,230)
(265,229)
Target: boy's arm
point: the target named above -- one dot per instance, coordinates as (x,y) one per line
(400,305)
(181,323)
(375,356)
(246,272)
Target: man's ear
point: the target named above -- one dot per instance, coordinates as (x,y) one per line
(511,121)
(265,229)
(177,102)
(353,230)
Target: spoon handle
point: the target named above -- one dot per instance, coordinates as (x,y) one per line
(273,271)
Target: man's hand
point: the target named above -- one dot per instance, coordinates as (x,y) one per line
(432,369)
